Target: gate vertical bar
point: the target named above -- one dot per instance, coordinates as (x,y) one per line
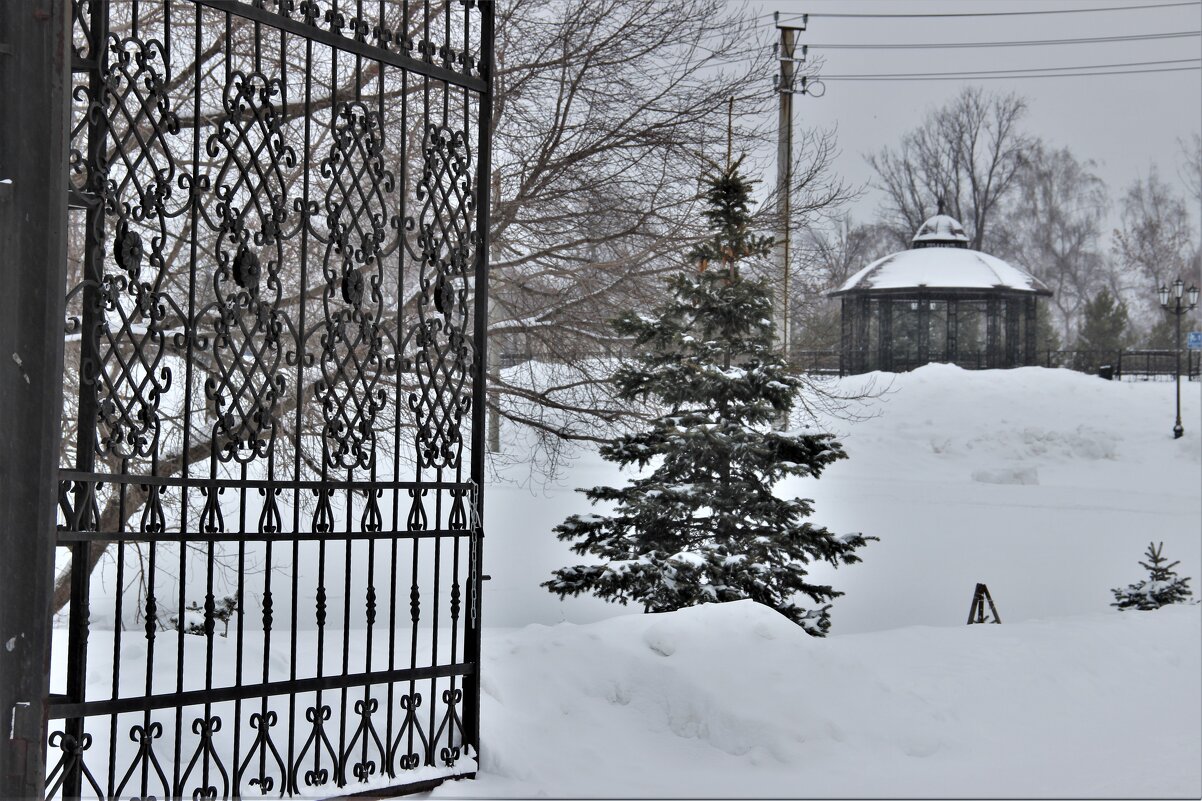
(471,707)
(34,80)
(83,553)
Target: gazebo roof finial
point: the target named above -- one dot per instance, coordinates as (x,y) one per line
(942,206)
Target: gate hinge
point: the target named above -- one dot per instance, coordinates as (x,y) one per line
(24,722)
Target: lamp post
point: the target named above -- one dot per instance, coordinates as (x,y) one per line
(1177,310)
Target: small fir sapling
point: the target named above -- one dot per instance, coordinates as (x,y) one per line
(194,616)
(705,525)
(1163,586)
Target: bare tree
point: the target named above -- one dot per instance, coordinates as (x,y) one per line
(1154,243)
(605,113)
(1053,228)
(1191,167)
(608,112)
(829,255)
(967,153)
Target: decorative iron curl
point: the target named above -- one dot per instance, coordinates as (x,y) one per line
(145,736)
(205,728)
(262,722)
(320,743)
(71,756)
(409,732)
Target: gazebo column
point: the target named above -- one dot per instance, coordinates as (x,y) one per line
(863,311)
(845,344)
(1029,333)
(1012,344)
(884,334)
(992,332)
(924,329)
(953,312)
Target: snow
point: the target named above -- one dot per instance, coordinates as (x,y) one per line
(1044,484)
(733,701)
(941,228)
(942,268)
(1047,485)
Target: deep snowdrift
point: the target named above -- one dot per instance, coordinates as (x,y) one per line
(733,700)
(1047,485)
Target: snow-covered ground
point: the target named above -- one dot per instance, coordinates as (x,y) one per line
(733,700)
(1046,485)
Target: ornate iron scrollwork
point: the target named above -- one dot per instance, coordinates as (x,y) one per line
(273,219)
(446,253)
(251,194)
(134,183)
(357,216)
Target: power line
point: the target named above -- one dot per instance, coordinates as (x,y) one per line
(986,77)
(990,13)
(1018,70)
(1028,43)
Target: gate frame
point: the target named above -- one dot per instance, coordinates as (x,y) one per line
(35,64)
(480,308)
(36,80)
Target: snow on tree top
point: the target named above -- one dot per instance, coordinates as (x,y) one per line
(942,268)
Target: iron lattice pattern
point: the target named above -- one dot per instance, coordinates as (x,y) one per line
(269,485)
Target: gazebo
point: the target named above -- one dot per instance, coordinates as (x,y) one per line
(939,301)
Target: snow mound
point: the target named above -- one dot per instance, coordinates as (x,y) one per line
(733,700)
(1015,475)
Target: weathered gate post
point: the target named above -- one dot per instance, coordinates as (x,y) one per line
(34,94)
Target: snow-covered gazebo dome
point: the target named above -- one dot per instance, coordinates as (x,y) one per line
(939,301)
(941,231)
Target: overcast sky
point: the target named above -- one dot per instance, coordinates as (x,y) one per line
(1124,122)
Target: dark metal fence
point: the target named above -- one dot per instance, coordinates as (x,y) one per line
(272,457)
(1131,365)
(1125,364)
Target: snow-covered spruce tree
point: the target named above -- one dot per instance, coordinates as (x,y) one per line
(1162,586)
(704,525)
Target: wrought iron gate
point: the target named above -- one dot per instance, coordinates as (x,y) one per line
(270,489)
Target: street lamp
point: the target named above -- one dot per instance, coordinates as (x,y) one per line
(1178,310)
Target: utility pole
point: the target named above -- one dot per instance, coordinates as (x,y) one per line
(785,88)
